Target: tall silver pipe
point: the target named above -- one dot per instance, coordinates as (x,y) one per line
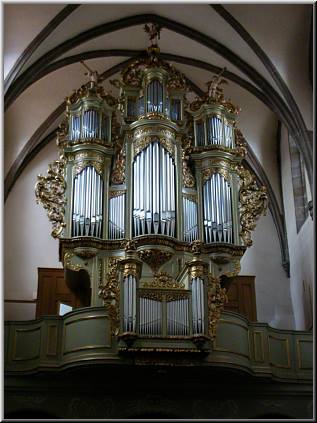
(147,188)
(99,206)
(230,213)
(141,181)
(205,212)
(87,169)
(172,186)
(223,207)
(163,192)
(220,222)
(155,185)
(93,202)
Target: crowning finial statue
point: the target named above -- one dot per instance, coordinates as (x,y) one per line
(93,75)
(216,80)
(154,31)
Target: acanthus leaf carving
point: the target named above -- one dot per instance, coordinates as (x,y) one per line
(50,192)
(253,203)
(217,298)
(109,291)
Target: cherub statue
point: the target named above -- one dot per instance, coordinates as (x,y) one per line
(213,89)
(93,75)
(154,32)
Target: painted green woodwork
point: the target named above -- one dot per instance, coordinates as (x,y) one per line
(84,336)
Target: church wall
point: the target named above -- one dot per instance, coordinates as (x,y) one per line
(27,239)
(272,287)
(301,246)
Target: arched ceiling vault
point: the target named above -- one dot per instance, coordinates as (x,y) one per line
(208,37)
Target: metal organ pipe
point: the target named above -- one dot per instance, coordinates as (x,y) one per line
(129,303)
(198,308)
(190,219)
(87,203)
(116,216)
(217,209)
(154,192)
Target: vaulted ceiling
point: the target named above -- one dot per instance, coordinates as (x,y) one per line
(265,49)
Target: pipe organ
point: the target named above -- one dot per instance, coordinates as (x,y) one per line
(150,197)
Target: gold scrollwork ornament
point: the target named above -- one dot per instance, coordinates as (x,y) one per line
(217,298)
(68,256)
(50,192)
(109,292)
(118,173)
(163,280)
(253,203)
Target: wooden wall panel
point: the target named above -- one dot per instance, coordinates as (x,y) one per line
(241,297)
(52,290)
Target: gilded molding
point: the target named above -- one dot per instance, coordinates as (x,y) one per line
(163,280)
(50,192)
(109,292)
(253,203)
(217,298)
(68,256)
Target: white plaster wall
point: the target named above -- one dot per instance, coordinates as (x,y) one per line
(301,245)
(272,287)
(27,240)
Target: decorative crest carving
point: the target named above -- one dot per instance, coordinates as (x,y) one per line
(209,171)
(253,203)
(84,159)
(50,192)
(155,258)
(163,280)
(129,245)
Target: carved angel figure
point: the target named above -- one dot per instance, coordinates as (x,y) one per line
(154,32)
(213,85)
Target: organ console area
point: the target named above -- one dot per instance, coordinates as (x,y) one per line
(150,198)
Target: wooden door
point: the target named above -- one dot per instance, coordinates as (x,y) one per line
(241,296)
(52,290)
